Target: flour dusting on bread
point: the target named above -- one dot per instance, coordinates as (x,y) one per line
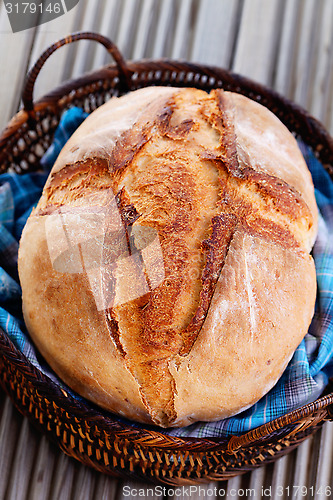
(166,272)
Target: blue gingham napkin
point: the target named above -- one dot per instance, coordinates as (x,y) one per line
(312,364)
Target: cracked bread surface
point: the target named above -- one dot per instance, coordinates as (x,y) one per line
(166,272)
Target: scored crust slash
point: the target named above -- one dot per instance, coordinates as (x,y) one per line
(166,272)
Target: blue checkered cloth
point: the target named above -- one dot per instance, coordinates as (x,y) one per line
(312,364)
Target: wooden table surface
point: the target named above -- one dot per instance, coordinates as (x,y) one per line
(286,44)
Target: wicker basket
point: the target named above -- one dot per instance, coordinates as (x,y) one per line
(81,430)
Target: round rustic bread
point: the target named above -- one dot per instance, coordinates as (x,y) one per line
(166,272)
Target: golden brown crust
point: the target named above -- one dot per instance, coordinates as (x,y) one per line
(180,234)
(215,249)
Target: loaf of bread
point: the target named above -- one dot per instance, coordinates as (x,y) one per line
(166,271)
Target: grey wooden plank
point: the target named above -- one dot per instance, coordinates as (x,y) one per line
(233,487)
(312,471)
(214,33)
(23,463)
(257,479)
(288,48)
(329,119)
(41,474)
(321,91)
(62,479)
(304,69)
(181,37)
(323,487)
(302,460)
(128,26)
(52,73)
(84,484)
(9,429)
(165,26)
(13,62)
(280,476)
(108,27)
(146,16)
(91,16)
(153,34)
(106,487)
(258,39)
(305,66)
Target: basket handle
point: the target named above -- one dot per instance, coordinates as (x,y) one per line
(124,72)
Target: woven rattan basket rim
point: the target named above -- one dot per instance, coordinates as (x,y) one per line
(300,422)
(146,436)
(205,77)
